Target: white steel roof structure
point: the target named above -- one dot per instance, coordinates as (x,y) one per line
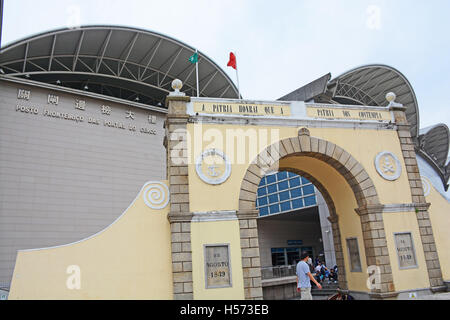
(368,85)
(123,62)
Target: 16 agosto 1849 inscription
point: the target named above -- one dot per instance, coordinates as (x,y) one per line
(217,266)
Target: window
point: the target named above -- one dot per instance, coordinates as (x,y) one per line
(262,201)
(285,206)
(282,175)
(275,208)
(283,185)
(264,211)
(278,257)
(295,193)
(310,201)
(273,198)
(297,203)
(262,191)
(305,181)
(295,182)
(284,195)
(353,252)
(271,179)
(284,191)
(285,256)
(293,255)
(272,188)
(308,189)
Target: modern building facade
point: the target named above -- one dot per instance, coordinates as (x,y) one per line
(86,121)
(292,219)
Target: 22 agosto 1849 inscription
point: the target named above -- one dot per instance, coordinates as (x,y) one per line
(80,118)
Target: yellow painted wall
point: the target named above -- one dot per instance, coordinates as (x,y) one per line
(216,232)
(405,279)
(345,203)
(440,221)
(131,259)
(363,145)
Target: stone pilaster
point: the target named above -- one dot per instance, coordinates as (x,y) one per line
(342,278)
(376,249)
(179,216)
(251,263)
(418,198)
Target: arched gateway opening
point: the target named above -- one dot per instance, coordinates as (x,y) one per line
(352,202)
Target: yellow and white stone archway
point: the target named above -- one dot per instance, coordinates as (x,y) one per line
(335,147)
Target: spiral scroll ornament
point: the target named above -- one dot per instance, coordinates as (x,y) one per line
(156,195)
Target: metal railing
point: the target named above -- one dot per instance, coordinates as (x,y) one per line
(278,272)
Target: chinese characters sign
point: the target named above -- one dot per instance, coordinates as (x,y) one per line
(82,112)
(217,266)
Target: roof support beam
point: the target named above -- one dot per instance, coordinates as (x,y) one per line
(171,65)
(156,46)
(61,64)
(224,91)
(75,59)
(51,53)
(25,57)
(191,72)
(37,66)
(103,62)
(131,73)
(105,45)
(131,45)
(90,69)
(209,81)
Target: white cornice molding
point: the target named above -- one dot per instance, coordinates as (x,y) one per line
(223,215)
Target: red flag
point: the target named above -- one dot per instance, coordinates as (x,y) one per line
(232,62)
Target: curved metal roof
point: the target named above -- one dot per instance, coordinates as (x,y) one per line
(434,140)
(434,144)
(368,85)
(365,85)
(124,62)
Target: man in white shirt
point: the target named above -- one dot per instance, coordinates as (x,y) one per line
(304,277)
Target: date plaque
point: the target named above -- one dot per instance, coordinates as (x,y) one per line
(217,266)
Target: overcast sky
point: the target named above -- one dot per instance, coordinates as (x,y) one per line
(280,45)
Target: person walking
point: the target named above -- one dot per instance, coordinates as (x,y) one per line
(304,277)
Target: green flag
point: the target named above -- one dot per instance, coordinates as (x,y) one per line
(194,58)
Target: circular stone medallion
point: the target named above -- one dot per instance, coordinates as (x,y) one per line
(213,166)
(388,166)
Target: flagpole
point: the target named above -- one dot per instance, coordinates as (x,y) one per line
(237,77)
(196,73)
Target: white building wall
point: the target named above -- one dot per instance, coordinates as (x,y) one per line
(327,231)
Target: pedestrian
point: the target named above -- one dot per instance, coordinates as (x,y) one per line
(304,277)
(318,271)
